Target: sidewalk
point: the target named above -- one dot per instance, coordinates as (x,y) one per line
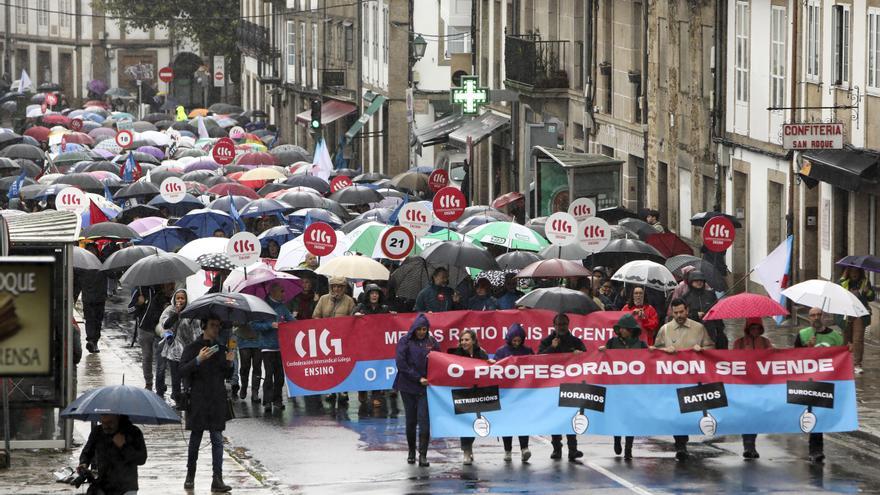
(165,469)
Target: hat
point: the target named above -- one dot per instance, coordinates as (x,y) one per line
(338,281)
(627,321)
(696,275)
(372,287)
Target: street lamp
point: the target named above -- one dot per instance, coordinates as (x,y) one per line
(419,44)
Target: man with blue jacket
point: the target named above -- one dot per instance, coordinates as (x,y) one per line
(273,379)
(437,296)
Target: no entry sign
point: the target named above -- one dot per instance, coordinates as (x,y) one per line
(718,234)
(397,242)
(438,180)
(243,249)
(340,182)
(319,239)
(561,229)
(448,204)
(166,74)
(124,138)
(224,151)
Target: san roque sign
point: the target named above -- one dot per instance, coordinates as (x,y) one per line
(813,136)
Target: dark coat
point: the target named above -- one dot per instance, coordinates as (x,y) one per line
(117,468)
(93,284)
(147,315)
(567,343)
(435,299)
(412,358)
(206,382)
(516,330)
(476,353)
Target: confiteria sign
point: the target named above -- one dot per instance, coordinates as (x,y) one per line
(812,136)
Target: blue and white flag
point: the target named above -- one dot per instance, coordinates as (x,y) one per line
(15,187)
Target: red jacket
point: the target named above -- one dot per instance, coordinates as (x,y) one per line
(650,322)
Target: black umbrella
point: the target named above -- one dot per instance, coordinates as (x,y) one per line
(615,214)
(676,265)
(163,124)
(117,93)
(110,230)
(49,87)
(142,126)
(9,138)
(68,159)
(273,187)
(155,117)
(103,166)
(141,405)
(159,269)
(198,175)
(516,260)
(394,193)
(83,181)
(138,211)
(256,114)
(8,165)
(139,189)
(538,224)
(414,274)
(225,108)
(459,254)
(337,209)
(348,227)
(621,251)
(28,166)
(126,257)
(356,194)
(640,227)
(6,182)
(869,263)
(310,181)
(83,259)
(559,300)
(217,132)
(160,175)
(484,210)
(139,157)
(299,199)
(621,232)
(291,157)
(31,191)
(230,307)
(215,261)
(217,179)
(571,252)
(22,150)
(701,218)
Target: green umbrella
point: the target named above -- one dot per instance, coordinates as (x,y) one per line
(367,239)
(510,235)
(446,235)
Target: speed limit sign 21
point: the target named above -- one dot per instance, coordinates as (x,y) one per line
(397,242)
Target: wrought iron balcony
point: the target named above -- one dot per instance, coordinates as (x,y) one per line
(254,40)
(532,63)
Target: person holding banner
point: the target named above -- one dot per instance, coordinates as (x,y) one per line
(411,381)
(438,296)
(626,336)
(469,346)
(818,335)
(644,313)
(515,346)
(681,334)
(753,338)
(561,340)
(335,304)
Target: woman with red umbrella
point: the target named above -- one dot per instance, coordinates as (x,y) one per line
(753,338)
(644,313)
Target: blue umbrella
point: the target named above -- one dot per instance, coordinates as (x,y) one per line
(263,207)
(169,239)
(187,204)
(222,203)
(297,219)
(279,234)
(139,404)
(204,222)
(422,169)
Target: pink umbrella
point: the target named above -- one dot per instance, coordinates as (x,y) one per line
(256,158)
(103,153)
(152,150)
(145,225)
(259,280)
(745,305)
(102,132)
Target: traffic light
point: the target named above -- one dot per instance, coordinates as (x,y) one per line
(315,123)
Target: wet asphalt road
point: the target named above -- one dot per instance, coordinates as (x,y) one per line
(346,450)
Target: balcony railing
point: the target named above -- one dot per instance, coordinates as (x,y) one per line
(535,63)
(254,40)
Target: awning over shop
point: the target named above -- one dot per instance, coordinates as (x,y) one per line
(374,107)
(331,111)
(479,128)
(846,169)
(438,132)
(44,227)
(570,159)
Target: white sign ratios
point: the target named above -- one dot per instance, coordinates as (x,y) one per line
(561,229)
(172,189)
(417,218)
(594,234)
(397,242)
(243,249)
(582,209)
(124,138)
(812,136)
(72,199)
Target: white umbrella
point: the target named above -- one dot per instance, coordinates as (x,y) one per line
(646,273)
(354,267)
(205,245)
(293,252)
(828,296)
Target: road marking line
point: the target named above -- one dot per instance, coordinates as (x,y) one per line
(608,474)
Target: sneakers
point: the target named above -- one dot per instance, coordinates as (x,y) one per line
(467,457)
(858,370)
(574,455)
(235,389)
(279,405)
(526,455)
(751,454)
(411,457)
(617,447)
(243,394)
(508,456)
(817,458)
(92,347)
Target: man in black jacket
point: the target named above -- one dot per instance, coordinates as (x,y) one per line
(146,305)
(115,448)
(93,284)
(560,341)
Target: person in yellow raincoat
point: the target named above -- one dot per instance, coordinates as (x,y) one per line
(181,114)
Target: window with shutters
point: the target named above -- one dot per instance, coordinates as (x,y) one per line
(777,56)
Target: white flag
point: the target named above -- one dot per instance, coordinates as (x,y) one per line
(322,165)
(203,130)
(773,270)
(24,82)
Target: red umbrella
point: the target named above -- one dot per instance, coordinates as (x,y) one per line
(235,189)
(56,119)
(507,199)
(745,305)
(553,268)
(39,133)
(195,188)
(257,158)
(669,244)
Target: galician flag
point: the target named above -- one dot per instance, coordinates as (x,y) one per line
(24,82)
(773,271)
(322,165)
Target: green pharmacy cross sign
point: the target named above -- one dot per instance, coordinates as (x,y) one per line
(469,95)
